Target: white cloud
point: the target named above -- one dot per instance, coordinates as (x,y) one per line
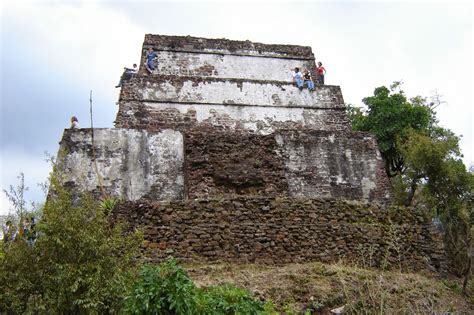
(89,43)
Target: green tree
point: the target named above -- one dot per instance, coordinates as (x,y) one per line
(424,163)
(388,115)
(77,263)
(428,157)
(446,188)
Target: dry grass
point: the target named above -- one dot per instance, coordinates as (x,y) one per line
(318,286)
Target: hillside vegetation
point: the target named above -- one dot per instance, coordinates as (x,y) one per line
(318,287)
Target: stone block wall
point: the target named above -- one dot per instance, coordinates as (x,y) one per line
(211,91)
(222,58)
(233,118)
(227,65)
(222,45)
(228,164)
(338,164)
(304,163)
(283,230)
(205,162)
(132,164)
(158,102)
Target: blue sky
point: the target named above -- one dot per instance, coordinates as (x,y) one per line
(54,52)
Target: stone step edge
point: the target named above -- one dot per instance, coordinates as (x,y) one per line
(224,46)
(144,76)
(337,107)
(226,53)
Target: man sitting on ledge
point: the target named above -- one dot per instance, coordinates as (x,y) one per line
(298,78)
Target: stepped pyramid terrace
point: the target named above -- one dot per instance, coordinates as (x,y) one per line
(221,157)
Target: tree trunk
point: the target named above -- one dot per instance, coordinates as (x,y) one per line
(411,193)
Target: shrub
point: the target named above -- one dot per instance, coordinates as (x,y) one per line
(168,289)
(78,263)
(228,299)
(163,289)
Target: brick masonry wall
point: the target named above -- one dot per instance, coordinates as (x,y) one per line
(283,230)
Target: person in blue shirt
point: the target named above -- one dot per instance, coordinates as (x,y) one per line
(150,57)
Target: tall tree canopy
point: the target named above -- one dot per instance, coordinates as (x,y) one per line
(389,115)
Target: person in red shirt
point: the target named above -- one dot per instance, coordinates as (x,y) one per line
(321,72)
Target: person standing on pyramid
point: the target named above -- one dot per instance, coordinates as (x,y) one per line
(321,72)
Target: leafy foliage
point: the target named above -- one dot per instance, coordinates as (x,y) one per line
(77,263)
(163,289)
(168,289)
(447,188)
(109,203)
(424,163)
(388,116)
(228,299)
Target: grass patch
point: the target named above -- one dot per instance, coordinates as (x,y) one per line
(294,288)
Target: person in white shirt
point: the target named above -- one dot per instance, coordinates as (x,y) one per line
(298,78)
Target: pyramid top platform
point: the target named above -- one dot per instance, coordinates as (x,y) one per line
(225,47)
(186,56)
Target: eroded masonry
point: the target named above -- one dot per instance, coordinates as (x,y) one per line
(221,157)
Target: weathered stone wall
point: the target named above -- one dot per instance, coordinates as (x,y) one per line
(223,46)
(219,132)
(283,230)
(132,164)
(228,164)
(304,163)
(256,119)
(229,92)
(154,103)
(222,58)
(224,65)
(228,85)
(345,165)
(205,162)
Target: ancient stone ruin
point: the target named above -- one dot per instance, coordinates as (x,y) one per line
(221,157)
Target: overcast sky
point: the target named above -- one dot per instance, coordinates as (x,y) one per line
(54,52)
